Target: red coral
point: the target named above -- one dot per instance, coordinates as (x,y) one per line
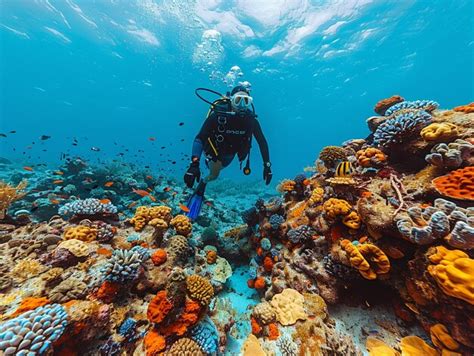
(159,307)
(108,291)
(273,332)
(458,184)
(154,343)
(187,318)
(260,283)
(256,328)
(159,257)
(268,264)
(251,283)
(469,108)
(30,303)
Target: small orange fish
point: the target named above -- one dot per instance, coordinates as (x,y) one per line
(58,181)
(208,203)
(166,189)
(363,239)
(149,177)
(141,192)
(54,201)
(152,138)
(184,208)
(59,173)
(28,168)
(108,184)
(132,204)
(152,198)
(366,194)
(105,201)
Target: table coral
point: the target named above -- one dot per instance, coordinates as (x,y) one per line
(288,307)
(81,232)
(159,307)
(334,207)
(331,155)
(424,105)
(383,105)
(182,225)
(185,346)
(468,108)
(458,184)
(453,271)
(8,194)
(451,155)
(439,132)
(400,128)
(368,259)
(76,247)
(371,157)
(33,332)
(200,289)
(441,338)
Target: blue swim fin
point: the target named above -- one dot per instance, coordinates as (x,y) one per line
(195,202)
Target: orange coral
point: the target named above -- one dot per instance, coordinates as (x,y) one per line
(370,260)
(467,109)
(268,264)
(297,210)
(30,303)
(81,232)
(104,252)
(256,328)
(154,343)
(187,318)
(273,332)
(370,157)
(159,307)
(251,283)
(259,283)
(211,257)
(383,105)
(159,257)
(182,225)
(108,291)
(286,185)
(144,215)
(458,184)
(334,207)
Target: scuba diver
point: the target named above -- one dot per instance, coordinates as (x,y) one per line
(227,131)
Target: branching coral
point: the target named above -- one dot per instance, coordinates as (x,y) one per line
(368,259)
(458,184)
(182,225)
(33,332)
(451,155)
(439,132)
(425,105)
(122,267)
(331,155)
(8,194)
(400,128)
(383,105)
(453,271)
(89,206)
(371,157)
(200,289)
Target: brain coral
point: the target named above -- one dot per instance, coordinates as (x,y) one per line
(288,307)
(264,313)
(368,259)
(182,225)
(185,347)
(330,155)
(458,184)
(200,289)
(89,206)
(76,247)
(69,289)
(439,132)
(425,105)
(81,232)
(33,332)
(453,271)
(122,266)
(451,155)
(401,127)
(334,207)
(382,106)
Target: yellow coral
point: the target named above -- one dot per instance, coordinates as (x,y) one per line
(334,207)
(316,196)
(286,185)
(415,346)
(81,232)
(199,288)
(377,347)
(182,225)
(25,269)
(158,223)
(352,220)
(439,132)
(370,260)
(160,212)
(76,247)
(252,347)
(8,194)
(144,215)
(453,271)
(370,157)
(441,338)
(288,306)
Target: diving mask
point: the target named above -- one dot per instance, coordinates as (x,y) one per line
(241,100)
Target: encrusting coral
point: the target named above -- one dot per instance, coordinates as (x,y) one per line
(368,259)
(458,184)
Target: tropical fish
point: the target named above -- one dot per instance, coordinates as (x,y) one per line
(105,201)
(344,169)
(166,189)
(149,177)
(44,137)
(181,123)
(59,173)
(152,138)
(152,198)
(132,204)
(54,201)
(184,208)
(58,181)
(141,192)
(95,149)
(28,168)
(108,184)
(3,135)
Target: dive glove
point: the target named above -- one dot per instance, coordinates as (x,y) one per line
(193,174)
(267,173)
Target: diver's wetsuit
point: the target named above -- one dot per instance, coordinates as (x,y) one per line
(223,135)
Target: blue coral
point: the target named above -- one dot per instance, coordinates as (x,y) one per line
(206,336)
(300,234)
(122,266)
(142,251)
(128,329)
(398,129)
(134,237)
(265,244)
(276,220)
(89,206)
(425,105)
(33,332)
(274,252)
(252,272)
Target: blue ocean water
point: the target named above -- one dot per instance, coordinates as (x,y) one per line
(112,73)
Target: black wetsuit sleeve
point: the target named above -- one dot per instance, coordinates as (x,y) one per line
(262,141)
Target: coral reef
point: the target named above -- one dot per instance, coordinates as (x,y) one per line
(452,155)
(458,184)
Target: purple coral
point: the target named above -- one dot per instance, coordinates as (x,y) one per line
(276,220)
(300,234)
(398,129)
